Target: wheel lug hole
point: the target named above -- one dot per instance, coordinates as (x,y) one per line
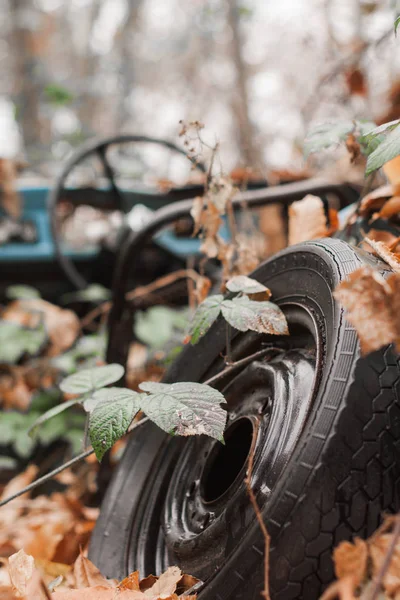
(206,521)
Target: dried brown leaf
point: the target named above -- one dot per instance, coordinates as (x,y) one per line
(185,583)
(392,170)
(10,199)
(353,147)
(87,575)
(356,81)
(97,593)
(203,285)
(351,560)
(273,228)
(379,235)
(62,325)
(196,211)
(147,582)
(249,253)
(390,208)
(14,392)
(307,220)
(384,252)
(7,593)
(165,584)
(20,568)
(378,548)
(342,589)
(376,199)
(372,304)
(130,583)
(10,512)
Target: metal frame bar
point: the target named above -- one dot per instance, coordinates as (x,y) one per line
(121,317)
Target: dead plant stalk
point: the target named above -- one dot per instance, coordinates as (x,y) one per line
(257,511)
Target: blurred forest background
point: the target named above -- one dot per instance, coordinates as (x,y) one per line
(258,73)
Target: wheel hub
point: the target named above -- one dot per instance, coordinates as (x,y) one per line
(206,507)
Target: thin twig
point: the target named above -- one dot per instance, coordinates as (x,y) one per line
(386,562)
(228,331)
(66,465)
(257,511)
(236,365)
(141,291)
(190,286)
(48,476)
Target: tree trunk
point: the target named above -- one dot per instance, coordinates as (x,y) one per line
(240,95)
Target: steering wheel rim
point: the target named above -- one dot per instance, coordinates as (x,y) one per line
(96,146)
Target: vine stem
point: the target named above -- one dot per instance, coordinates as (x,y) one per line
(257,511)
(228,343)
(66,465)
(141,291)
(239,363)
(236,365)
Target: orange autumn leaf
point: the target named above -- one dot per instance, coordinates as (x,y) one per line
(372,304)
(392,172)
(376,199)
(390,208)
(87,575)
(351,560)
(131,582)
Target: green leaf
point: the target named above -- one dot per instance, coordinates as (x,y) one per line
(23,444)
(21,292)
(371,138)
(109,395)
(87,380)
(241,283)
(396,24)
(157,325)
(8,462)
(88,346)
(387,150)
(45,399)
(205,316)
(93,293)
(49,414)
(263,317)
(184,408)
(110,419)
(326,135)
(57,94)
(15,341)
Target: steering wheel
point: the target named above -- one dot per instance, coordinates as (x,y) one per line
(113,197)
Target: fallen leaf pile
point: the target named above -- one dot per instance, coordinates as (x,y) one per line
(362,566)
(32,579)
(50,528)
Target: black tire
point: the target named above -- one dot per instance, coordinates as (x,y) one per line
(340,477)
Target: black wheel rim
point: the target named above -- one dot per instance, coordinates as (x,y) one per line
(202,486)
